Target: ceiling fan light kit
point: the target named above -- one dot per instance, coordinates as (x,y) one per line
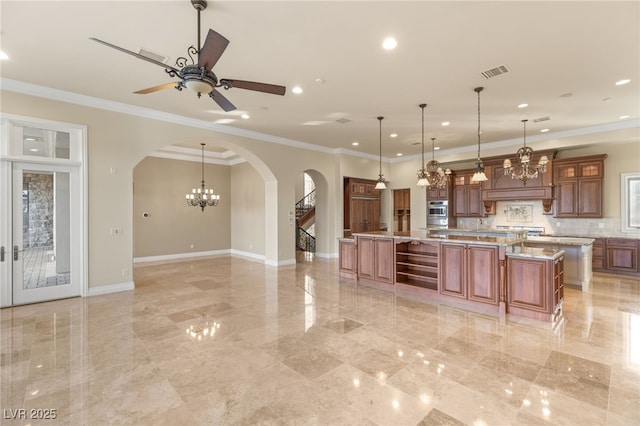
(198,75)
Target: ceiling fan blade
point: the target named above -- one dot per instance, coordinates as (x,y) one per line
(252,85)
(170,85)
(213,47)
(137,55)
(224,103)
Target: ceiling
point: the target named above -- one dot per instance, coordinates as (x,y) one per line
(563,60)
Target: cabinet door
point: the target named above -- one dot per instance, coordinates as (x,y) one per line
(567,198)
(475,207)
(590,197)
(453,269)
(348,261)
(384,260)
(566,171)
(482,273)
(460,199)
(591,169)
(527,284)
(622,257)
(366,257)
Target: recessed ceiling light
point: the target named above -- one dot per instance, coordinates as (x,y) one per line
(621,82)
(523,105)
(30,139)
(34,149)
(245,116)
(3,55)
(393,135)
(389,43)
(622,117)
(445,123)
(356,143)
(224,120)
(320,80)
(297,90)
(399,154)
(436,148)
(544,130)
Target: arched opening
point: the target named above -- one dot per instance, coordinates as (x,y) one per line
(312,215)
(166,228)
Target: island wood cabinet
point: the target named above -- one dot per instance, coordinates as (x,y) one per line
(348,261)
(402,208)
(467,196)
(535,286)
(598,255)
(417,263)
(578,186)
(470,271)
(375,259)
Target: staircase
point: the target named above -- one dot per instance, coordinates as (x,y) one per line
(305,215)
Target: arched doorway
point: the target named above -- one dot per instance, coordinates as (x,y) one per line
(312,214)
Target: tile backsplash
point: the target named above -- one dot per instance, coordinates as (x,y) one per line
(599,227)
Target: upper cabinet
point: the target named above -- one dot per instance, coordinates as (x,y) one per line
(361,206)
(579,186)
(467,196)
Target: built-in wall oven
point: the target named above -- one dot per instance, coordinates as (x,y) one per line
(438,213)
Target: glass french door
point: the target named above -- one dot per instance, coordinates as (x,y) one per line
(45,251)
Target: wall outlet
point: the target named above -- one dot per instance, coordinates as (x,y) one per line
(115,231)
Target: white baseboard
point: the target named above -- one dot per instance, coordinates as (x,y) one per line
(327,255)
(177,256)
(280,262)
(112,288)
(250,255)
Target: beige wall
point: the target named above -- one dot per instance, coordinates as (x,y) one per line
(173,227)
(118,142)
(248,210)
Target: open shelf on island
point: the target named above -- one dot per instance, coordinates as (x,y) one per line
(417,264)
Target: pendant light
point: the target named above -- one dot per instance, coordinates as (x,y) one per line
(202,197)
(381,183)
(525,155)
(422,174)
(479,175)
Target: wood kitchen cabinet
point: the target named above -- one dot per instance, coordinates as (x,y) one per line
(535,286)
(402,208)
(622,254)
(348,261)
(438,193)
(469,271)
(361,206)
(578,186)
(598,257)
(417,263)
(467,196)
(375,259)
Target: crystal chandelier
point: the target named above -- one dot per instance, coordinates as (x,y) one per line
(433,175)
(479,175)
(202,197)
(525,155)
(381,183)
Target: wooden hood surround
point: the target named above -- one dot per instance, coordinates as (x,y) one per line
(499,187)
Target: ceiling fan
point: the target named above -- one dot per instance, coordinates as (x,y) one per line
(198,75)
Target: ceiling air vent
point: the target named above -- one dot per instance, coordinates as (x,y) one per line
(154,56)
(343,120)
(494,72)
(538,120)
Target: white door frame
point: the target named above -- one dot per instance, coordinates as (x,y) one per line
(11,150)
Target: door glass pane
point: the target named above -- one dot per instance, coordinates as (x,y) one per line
(45,143)
(45,229)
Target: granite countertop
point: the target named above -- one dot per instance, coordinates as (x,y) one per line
(534,252)
(471,238)
(566,241)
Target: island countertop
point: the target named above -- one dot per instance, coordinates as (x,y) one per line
(459,236)
(567,241)
(534,252)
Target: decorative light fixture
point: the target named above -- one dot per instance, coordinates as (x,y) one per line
(479,175)
(438,177)
(525,155)
(202,197)
(422,174)
(381,183)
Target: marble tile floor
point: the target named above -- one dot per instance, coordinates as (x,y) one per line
(230,341)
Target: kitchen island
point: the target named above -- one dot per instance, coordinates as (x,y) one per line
(465,266)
